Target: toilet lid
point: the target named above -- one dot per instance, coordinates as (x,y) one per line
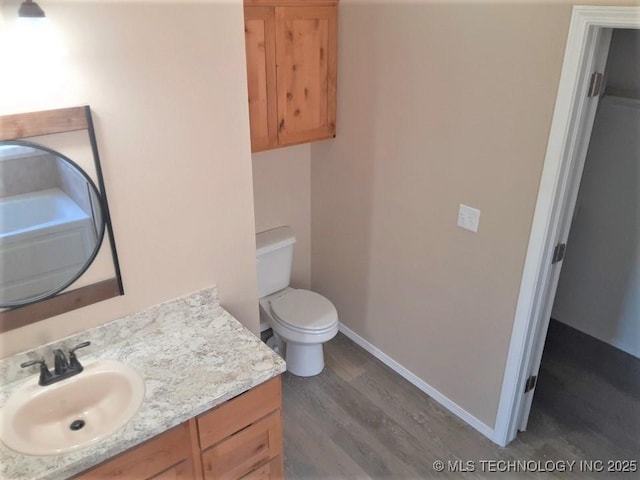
(306,310)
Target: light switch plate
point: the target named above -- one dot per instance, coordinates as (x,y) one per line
(468,218)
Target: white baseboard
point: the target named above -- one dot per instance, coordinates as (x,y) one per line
(425,387)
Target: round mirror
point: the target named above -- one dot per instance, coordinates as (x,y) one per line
(51,222)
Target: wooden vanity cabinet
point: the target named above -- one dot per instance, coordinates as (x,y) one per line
(291,50)
(242,438)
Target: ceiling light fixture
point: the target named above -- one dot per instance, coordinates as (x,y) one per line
(30,9)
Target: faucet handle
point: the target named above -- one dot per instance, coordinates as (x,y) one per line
(73,360)
(45,374)
(80,345)
(33,362)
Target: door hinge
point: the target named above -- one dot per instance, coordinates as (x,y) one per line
(531,383)
(558,253)
(595,86)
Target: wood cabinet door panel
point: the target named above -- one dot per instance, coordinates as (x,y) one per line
(259,34)
(145,460)
(306,53)
(245,451)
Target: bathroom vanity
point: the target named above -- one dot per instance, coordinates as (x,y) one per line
(211,405)
(240,439)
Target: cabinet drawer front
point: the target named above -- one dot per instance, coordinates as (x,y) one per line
(182,471)
(236,414)
(145,460)
(272,470)
(244,451)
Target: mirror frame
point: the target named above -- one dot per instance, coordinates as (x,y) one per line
(25,125)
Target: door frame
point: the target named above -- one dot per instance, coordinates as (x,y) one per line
(560,179)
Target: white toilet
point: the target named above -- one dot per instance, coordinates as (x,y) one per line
(303,320)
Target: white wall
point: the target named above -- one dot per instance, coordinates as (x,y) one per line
(166,82)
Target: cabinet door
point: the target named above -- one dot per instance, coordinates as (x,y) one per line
(306,52)
(146,460)
(259,34)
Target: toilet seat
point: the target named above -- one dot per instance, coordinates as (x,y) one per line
(304,312)
(302,321)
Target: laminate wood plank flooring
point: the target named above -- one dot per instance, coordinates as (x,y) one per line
(359,419)
(590,390)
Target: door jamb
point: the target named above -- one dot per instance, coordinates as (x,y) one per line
(555,183)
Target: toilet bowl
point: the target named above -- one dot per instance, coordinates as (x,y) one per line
(301,320)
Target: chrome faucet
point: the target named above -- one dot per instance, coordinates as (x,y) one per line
(62,368)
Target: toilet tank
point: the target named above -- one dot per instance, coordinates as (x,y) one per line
(274,254)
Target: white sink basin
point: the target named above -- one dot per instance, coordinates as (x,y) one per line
(101,399)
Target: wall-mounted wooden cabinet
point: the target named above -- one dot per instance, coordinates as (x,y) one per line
(241,438)
(291,48)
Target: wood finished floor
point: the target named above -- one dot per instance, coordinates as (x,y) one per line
(359,419)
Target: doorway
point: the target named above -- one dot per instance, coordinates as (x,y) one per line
(600,276)
(589,379)
(578,96)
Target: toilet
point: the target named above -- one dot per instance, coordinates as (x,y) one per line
(301,320)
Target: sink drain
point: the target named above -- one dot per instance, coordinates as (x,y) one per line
(76,425)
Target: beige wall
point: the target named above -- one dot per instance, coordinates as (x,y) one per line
(167,87)
(438,104)
(282,193)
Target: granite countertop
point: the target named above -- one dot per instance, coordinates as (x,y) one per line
(192,355)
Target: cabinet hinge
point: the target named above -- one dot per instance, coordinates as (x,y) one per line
(595,86)
(558,253)
(530,384)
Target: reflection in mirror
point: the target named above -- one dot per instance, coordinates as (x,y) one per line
(51,222)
